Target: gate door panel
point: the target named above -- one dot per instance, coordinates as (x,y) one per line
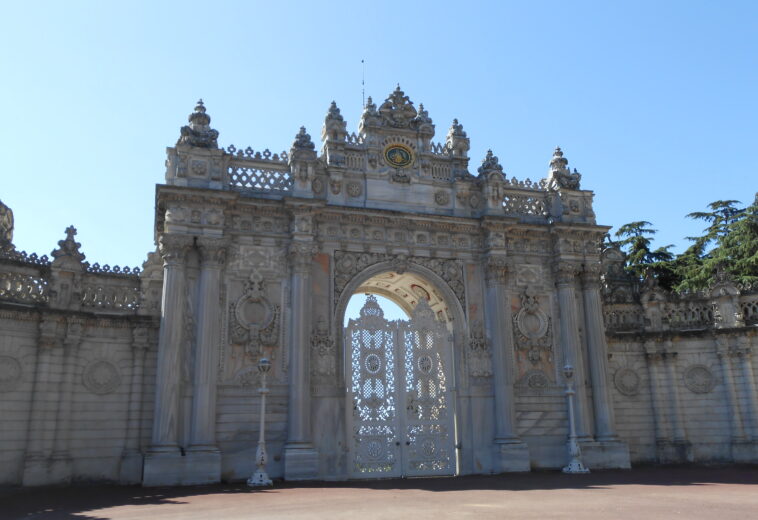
(400,419)
(428,418)
(373,393)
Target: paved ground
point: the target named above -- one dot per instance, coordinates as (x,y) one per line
(643,493)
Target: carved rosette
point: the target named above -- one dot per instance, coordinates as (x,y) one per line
(101,377)
(532,329)
(627,381)
(699,379)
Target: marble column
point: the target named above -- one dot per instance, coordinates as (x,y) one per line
(130,469)
(44,404)
(597,351)
(165,438)
(513,452)
(677,422)
(565,277)
(300,458)
(60,467)
(749,386)
(653,358)
(724,354)
(203,422)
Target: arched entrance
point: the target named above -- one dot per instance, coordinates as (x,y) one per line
(399,374)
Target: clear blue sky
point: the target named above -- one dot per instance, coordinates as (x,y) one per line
(654,102)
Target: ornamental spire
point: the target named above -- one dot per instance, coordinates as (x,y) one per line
(490,167)
(199,132)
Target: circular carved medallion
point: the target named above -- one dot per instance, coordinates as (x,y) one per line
(10,373)
(318,186)
(627,381)
(373,363)
(101,377)
(425,364)
(442,197)
(354,189)
(699,379)
(537,380)
(398,155)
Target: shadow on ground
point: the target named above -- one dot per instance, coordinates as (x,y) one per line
(73,502)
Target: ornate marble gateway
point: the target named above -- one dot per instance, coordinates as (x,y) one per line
(504,282)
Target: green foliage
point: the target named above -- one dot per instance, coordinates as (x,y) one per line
(635,239)
(729,242)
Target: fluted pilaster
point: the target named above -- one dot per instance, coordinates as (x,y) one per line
(597,351)
(565,274)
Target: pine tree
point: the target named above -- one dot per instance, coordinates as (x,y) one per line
(635,241)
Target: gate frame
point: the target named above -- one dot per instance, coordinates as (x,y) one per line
(458,327)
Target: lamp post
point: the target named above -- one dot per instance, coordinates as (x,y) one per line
(260,477)
(574,451)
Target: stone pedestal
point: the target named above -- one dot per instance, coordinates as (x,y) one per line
(673,452)
(605,455)
(512,457)
(300,462)
(173,469)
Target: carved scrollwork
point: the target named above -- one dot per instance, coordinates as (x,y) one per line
(255,322)
(323,353)
(533,328)
(479,355)
(496,269)
(348,264)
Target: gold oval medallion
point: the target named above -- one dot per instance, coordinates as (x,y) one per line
(398,155)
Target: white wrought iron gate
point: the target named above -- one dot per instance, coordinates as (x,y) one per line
(400,414)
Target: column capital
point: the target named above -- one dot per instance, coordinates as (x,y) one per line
(212,251)
(173,248)
(301,255)
(565,273)
(140,337)
(496,269)
(591,275)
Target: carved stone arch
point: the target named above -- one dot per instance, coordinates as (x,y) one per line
(458,326)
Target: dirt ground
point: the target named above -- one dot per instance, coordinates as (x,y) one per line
(643,493)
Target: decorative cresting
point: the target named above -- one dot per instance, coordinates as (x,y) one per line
(255,321)
(401,422)
(533,329)
(348,264)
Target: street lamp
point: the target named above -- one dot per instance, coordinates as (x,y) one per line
(260,477)
(574,451)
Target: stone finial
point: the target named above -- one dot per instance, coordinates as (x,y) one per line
(334,113)
(457,140)
(199,133)
(334,127)
(491,167)
(397,110)
(6,226)
(559,175)
(68,255)
(456,130)
(303,141)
